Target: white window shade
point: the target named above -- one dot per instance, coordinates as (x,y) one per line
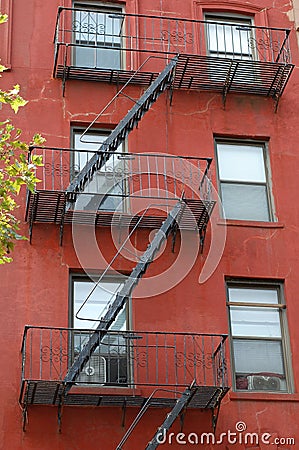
(259,322)
(257,356)
(241,163)
(248,295)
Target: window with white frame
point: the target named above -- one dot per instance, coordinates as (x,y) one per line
(109,182)
(244,180)
(258,336)
(90,301)
(229,37)
(97,35)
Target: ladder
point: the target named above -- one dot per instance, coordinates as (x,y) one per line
(181,403)
(121,297)
(125,126)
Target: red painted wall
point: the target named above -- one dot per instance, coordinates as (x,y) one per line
(34,288)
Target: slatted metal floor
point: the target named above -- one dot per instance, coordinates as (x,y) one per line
(200,73)
(47,206)
(50,392)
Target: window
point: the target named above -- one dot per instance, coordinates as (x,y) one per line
(89,303)
(229,37)
(244,180)
(97,35)
(109,182)
(258,336)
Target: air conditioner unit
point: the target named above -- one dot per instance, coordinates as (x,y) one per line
(94,371)
(263,383)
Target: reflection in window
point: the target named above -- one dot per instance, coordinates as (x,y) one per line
(244,185)
(106,190)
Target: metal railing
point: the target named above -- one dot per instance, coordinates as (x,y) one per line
(126,358)
(116,40)
(127,175)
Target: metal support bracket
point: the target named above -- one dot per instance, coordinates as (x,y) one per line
(124,410)
(61,228)
(32,215)
(59,412)
(64,70)
(215,416)
(202,237)
(229,79)
(24,417)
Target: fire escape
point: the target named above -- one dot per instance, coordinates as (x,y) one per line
(155,369)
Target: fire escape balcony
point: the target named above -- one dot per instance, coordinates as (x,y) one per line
(117,47)
(128,190)
(124,370)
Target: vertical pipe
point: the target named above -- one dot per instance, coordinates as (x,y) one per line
(157,359)
(51,353)
(203,359)
(166,359)
(31,354)
(175,360)
(157,175)
(147,358)
(60,354)
(40,354)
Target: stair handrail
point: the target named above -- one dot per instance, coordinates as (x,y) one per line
(116,96)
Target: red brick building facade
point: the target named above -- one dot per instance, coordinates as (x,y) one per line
(178,116)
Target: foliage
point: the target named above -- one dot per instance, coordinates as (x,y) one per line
(16,169)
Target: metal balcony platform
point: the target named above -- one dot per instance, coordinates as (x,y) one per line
(137,363)
(46,206)
(151,185)
(36,392)
(199,73)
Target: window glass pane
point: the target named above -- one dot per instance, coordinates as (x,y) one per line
(229,39)
(245,202)
(258,356)
(90,141)
(96,305)
(248,295)
(259,322)
(241,163)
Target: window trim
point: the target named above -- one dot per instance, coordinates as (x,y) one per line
(93,277)
(279,286)
(267,167)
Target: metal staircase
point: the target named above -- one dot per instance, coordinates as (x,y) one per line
(122,296)
(125,126)
(180,405)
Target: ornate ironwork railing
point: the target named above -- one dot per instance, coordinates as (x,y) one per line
(97,39)
(126,358)
(128,175)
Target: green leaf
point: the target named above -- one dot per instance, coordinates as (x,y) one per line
(3,18)
(17,103)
